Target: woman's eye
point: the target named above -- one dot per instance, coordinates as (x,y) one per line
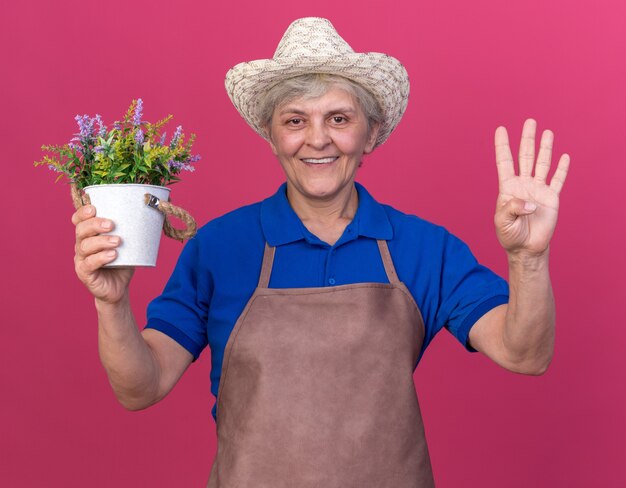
(338,119)
(294,121)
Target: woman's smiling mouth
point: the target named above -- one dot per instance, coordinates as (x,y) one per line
(320,160)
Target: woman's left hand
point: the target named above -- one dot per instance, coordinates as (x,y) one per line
(527,207)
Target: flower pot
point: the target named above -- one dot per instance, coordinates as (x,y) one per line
(138,225)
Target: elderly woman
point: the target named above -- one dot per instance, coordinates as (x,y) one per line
(318,302)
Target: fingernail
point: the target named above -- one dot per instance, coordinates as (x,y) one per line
(109,254)
(88,210)
(530,206)
(114,240)
(106,224)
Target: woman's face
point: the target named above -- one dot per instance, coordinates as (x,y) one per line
(319,143)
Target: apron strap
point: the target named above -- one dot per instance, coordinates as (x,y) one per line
(390,269)
(266,267)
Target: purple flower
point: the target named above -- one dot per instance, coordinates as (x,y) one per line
(75,147)
(102,129)
(184,165)
(85,125)
(138,112)
(162,142)
(176,137)
(139,137)
(54,168)
(98,149)
(180,165)
(117,125)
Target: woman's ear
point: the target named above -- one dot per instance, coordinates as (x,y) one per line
(371,138)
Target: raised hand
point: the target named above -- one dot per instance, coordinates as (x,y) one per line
(527,207)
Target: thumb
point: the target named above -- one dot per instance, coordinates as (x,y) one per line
(514,208)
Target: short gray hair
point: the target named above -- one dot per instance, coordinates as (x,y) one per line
(315,85)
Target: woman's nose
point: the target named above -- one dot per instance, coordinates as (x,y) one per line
(317,135)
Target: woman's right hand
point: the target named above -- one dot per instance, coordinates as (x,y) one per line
(94,250)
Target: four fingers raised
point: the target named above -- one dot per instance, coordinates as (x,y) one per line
(506,165)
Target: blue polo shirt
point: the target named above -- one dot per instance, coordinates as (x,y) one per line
(218,271)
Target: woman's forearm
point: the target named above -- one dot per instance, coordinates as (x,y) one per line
(125,355)
(528,335)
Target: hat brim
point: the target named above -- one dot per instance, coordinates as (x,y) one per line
(382,75)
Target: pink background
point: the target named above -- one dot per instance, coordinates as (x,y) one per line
(473,66)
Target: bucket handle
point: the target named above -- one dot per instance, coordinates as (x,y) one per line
(166,208)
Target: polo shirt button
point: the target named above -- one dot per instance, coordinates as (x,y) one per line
(331,281)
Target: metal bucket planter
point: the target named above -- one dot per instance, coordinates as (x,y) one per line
(139,215)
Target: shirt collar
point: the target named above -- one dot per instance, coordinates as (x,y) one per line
(371,217)
(281,225)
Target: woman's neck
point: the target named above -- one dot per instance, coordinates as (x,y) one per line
(326,219)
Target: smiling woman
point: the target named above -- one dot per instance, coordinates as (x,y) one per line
(319,142)
(318,302)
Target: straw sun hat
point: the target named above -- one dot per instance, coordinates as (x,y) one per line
(312,45)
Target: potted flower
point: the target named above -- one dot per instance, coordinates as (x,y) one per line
(123,172)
